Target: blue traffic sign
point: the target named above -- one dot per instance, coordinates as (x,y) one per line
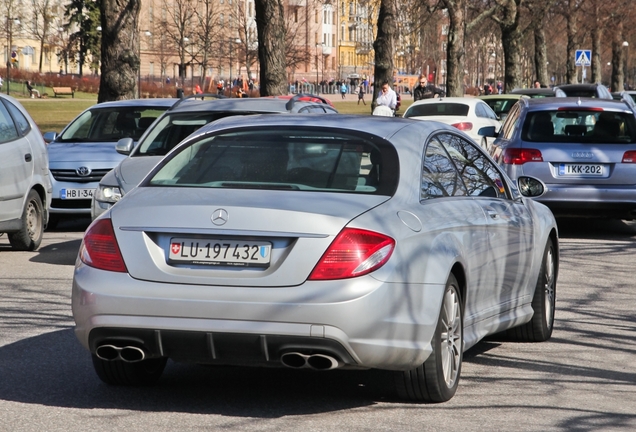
(583,58)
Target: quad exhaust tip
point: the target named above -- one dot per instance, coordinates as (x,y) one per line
(296,360)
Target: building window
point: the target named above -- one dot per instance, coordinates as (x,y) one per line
(151,69)
(444,29)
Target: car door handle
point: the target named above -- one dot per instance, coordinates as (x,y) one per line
(493,214)
(28,157)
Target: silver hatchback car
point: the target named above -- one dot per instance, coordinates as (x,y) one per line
(25,187)
(583,149)
(317,242)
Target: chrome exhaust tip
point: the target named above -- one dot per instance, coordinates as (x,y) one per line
(323,362)
(294,360)
(129,354)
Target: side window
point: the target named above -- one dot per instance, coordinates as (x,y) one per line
(489,111)
(480,175)
(439,176)
(20,120)
(479,111)
(8,132)
(508,128)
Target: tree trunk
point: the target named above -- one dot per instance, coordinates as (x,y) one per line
(540,53)
(455,52)
(120,49)
(511,43)
(570,66)
(270,23)
(617,83)
(597,32)
(384,47)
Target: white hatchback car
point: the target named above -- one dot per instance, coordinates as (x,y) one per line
(25,187)
(465,113)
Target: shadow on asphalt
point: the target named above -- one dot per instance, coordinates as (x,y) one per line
(582,228)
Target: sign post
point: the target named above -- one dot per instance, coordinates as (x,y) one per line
(583,58)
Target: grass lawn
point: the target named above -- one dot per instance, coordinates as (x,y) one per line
(52,114)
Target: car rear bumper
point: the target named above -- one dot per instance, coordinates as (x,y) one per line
(591,201)
(364,322)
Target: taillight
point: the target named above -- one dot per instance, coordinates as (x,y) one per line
(517,156)
(354,252)
(463,126)
(100,249)
(629,156)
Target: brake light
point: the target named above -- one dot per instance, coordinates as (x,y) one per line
(354,252)
(100,249)
(517,156)
(629,156)
(463,126)
(580,109)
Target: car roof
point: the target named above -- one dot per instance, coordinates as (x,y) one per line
(260,104)
(465,100)
(383,127)
(502,96)
(142,103)
(539,104)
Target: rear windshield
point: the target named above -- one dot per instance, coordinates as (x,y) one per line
(437,109)
(501,106)
(110,125)
(174,128)
(580,126)
(278,159)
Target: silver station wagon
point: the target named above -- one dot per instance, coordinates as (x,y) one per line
(317,242)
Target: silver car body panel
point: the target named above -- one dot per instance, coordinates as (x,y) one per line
(384,319)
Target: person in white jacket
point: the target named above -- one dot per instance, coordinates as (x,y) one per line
(387,97)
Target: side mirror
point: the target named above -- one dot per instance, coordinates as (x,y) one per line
(124,146)
(487,131)
(530,187)
(49,136)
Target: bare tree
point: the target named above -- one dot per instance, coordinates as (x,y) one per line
(208,32)
(178,27)
(456,46)
(384,46)
(120,56)
(270,22)
(43,17)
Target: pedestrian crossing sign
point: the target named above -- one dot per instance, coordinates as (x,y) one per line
(583,58)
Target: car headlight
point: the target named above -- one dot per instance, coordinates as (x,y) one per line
(109,194)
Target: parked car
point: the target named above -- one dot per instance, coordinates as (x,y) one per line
(538,92)
(465,113)
(85,150)
(584,150)
(501,103)
(317,242)
(176,124)
(25,187)
(590,90)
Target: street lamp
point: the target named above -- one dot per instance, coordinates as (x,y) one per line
(626,65)
(318,45)
(232,42)
(148,34)
(9,44)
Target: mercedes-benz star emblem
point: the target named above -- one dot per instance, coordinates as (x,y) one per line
(83,171)
(220,217)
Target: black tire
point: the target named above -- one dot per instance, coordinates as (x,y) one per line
(29,237)
(436,380)
(539,328)
(118,372)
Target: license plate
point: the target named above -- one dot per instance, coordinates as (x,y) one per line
(596,170)
(220,252)
(71,194)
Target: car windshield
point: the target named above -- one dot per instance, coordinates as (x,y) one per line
(283,160)
(111,124)
(174,128)
(580,126)
(437,109)
(500,106)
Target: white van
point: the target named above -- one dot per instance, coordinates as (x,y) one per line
(25,186)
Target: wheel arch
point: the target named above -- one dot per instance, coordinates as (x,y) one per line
(459,272)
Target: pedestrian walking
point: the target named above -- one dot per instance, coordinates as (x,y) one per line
(361,94)
(343,89)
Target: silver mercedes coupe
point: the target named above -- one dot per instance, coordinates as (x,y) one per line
(317,242)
